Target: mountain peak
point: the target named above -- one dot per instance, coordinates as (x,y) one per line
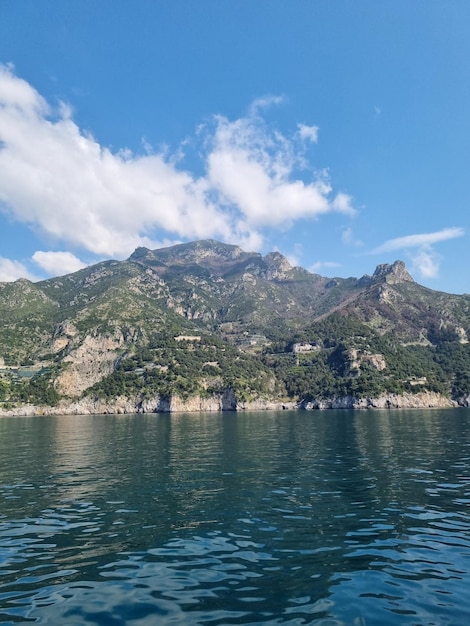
(209,254)
(393,274)
(140,253)
(194,250)
(278,261)
(212,248)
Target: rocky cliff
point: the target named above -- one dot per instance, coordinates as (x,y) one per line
(125,405)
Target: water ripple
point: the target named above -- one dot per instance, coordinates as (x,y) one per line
(289,518)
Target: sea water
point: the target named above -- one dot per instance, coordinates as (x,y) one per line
(324,517)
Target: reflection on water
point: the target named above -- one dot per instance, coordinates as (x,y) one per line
(259,518)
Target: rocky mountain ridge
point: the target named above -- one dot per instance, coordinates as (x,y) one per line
(205,319)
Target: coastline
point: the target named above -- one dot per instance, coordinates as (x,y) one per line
(228,402)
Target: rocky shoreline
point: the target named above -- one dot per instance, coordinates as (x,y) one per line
(228,402)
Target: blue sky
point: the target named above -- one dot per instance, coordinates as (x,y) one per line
(334,131)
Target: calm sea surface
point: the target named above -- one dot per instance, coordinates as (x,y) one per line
(258,518)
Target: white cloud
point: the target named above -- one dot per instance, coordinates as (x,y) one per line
(418,241)
(62,180)
(309,133)
(17,94)
(342,203)
(419,248)
(12,270)
(264,103)
(58,263)
(58,179)
(426,262)
(253,169)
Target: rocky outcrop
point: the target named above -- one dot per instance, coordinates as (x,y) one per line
(422,400)
(228,402)
(265,404)
(175,404)
(225,401)
(88,363)
(393,274)
(354,359)
(278,267)
(464,401)
(63,336)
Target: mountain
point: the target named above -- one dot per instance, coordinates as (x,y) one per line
(212,322)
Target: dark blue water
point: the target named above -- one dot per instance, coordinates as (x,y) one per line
(260,518)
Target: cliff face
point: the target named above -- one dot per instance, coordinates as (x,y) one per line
(422,400)
(228,402)
(87,364)
(393,274)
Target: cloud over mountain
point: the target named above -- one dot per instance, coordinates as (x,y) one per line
(11,270)
(419,248)
(58,179)
(57,263)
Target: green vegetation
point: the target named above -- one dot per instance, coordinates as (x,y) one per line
(167,366)
(349,357)
(38,390)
